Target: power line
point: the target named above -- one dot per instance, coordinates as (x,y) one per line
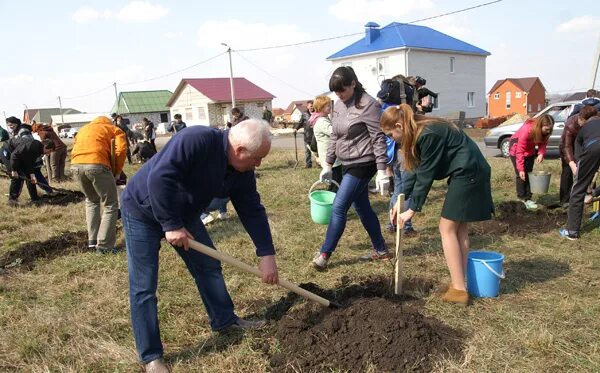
(273,76)
(175,72)
(361,33)
(88,94)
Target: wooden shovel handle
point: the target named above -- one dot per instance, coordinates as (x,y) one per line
(225,258)
(113,157)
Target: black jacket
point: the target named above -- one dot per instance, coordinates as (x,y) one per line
(303,123)
(24,151)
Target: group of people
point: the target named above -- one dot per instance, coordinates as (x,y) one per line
(578,153)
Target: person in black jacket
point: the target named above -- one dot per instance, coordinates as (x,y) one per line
(144,150)
(587,153)
(424,106)
(24,151)
(308,132)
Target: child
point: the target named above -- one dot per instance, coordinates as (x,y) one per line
(435,149)
(522,153)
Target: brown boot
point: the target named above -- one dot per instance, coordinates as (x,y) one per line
(459,297)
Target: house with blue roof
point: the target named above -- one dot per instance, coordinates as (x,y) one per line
(453,68)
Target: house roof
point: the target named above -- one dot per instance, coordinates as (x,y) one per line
(278,111)
(577,96)
(139,102)
(295,104)
(219,89)
(523,83)
(45,114)
(401,35)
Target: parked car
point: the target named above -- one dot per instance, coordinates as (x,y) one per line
(499,137)
(72,132)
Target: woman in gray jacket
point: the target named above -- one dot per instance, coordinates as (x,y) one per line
(358,142)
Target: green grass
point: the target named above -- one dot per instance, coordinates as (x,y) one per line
(71,313)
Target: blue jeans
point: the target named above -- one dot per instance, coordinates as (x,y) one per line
(40,177)
(353,190)
(216,204)
(399,177)
(143,243)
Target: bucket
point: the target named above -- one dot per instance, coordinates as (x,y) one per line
(539,181)
(321,204)
(484,272)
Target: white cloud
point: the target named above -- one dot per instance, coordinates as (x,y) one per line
(580,24)
(452,25)
(141,11)
(173,34)
(86,14)
(376,10)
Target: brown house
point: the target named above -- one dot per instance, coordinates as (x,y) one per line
(524,96)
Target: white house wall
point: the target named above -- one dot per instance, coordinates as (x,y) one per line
(190,98)
(468,76)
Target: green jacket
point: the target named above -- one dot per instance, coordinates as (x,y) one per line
(444,152)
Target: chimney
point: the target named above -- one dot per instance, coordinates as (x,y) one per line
(371,32)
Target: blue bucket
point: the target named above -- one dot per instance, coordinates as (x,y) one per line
(484,272)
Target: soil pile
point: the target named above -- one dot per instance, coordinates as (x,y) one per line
(62,199)
(513,218)
(390,335)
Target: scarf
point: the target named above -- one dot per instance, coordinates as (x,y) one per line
(313,118)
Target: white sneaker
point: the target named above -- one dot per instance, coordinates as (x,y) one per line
(530,205)
(208,219)
(320,261)
(223,216)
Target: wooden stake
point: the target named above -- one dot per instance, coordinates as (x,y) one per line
(113,157)
(399,232)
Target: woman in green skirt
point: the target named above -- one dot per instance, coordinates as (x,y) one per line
(435,149)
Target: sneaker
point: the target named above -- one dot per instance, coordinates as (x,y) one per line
(248,324)
(320,261)
(13,203)
(565,233)
(378,255)
(208,219)
(223,216)
(157,366)
(458,297)
(52,193)
(530,205)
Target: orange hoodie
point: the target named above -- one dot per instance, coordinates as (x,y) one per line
(92,144)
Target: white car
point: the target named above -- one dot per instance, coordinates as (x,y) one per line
(72,132)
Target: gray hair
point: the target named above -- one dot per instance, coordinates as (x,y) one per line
(250,133)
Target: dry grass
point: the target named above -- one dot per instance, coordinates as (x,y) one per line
(71,313)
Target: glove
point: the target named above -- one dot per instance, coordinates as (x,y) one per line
(325,176)
(382,181)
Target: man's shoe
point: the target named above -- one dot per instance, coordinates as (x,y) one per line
(530,205)
(459,297)
(378,255)
(157,366)
(208,219)
(565,233)
(320,261)
(92,244)
(104,250)
(248,324)
(13,203)
(223,216)
(410,232)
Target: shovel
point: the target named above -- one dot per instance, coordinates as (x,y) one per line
(296,150)
(248,268)
(60,190)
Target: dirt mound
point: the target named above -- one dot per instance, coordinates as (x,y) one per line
(374,329)
(513,218)
(62,199)
(25,255)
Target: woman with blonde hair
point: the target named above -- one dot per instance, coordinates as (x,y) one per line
(435,149)
(321,125)
(534,132)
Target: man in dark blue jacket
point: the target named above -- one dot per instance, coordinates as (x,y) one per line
(165,199)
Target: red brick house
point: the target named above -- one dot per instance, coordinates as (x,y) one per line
(524,96)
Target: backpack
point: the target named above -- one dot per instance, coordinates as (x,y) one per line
(399,90)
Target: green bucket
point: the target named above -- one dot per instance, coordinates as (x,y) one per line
(321,204)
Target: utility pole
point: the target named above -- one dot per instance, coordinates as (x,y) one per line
(116,96)
(62,118)
(26,113)
(597,62)
(230,75)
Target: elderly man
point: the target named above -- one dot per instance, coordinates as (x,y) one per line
(165,199)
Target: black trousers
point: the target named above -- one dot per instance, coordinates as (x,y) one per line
(587,167)
(16,186)
(523,187)
(307,155)
(566,181)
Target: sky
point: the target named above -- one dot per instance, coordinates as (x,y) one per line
(78,49)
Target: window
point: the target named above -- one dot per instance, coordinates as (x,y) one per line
(201,114)
(496,96)
(517,94)
(349,64)
(539,107)
(508,100)
(470,99)
(452,65)
(164,117)
(189,113)
(436,102)
(559,113)
(529,108)
(382,65)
